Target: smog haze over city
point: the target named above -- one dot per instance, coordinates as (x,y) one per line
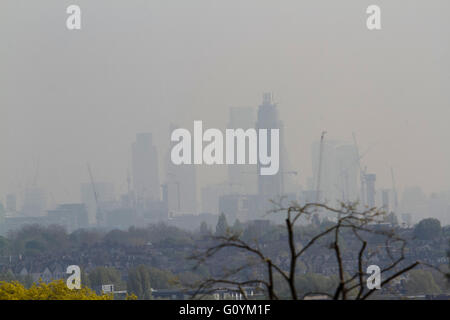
(87,115)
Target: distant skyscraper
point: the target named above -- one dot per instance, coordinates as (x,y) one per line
(270,187)
(145,171)
(347,167)
(328,176)
(339,171)
(242,178)
(181,183)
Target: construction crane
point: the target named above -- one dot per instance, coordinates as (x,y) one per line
(99,216)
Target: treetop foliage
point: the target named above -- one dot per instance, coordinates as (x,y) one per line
(428,229)
(56,290)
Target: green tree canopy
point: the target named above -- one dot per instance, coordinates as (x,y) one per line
(104,275)
(428,229)
(4,246)
(162,279)
(37,239)
(56,290)
(139,282)
(421,282)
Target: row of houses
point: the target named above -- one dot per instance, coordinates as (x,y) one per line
(45,274)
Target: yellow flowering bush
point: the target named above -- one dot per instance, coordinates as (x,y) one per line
(55,290)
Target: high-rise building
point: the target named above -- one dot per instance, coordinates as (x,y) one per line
(181,181)
(270,186)
(339,171)
(326,154)
(145,171)
(242,178)
(347,167)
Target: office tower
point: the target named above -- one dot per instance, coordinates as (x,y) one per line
(370,179)
(270,187)
(328,176)
(242,178)
(145,171)
(347,167)
(181,181)
(339,171)
(35,202)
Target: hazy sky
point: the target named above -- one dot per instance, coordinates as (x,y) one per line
(71,97)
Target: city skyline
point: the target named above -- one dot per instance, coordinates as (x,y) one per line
(69,99)
(224,150)
(343,178)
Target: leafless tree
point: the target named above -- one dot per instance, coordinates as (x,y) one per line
(346,219)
